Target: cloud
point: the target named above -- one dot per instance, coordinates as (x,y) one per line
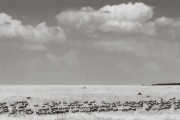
(123,18)
(32,47)
(118,20)
(129,12)
(10,28)
(168,28)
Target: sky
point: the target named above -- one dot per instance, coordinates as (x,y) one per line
(89,42)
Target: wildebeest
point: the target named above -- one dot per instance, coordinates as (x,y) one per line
(28,97)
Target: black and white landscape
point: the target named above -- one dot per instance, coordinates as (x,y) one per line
(89,53)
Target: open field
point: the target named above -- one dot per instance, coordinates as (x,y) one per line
(110,94)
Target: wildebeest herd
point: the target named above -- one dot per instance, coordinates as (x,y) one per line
(90,106)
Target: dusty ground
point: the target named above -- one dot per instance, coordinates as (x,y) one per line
(42,94)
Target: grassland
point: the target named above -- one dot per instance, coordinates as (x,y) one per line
(42,94)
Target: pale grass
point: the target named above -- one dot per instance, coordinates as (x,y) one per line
(42,94)
(99,116)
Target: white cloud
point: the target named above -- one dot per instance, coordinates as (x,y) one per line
(10,28)
(168,27)
(124,19)
(126,26)
(128,18)
(129,12)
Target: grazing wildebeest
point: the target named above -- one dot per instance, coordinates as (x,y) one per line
(36,105)
(28,97)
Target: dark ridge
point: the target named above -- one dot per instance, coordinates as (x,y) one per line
(166,84)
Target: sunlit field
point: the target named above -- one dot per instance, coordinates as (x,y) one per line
(109,94)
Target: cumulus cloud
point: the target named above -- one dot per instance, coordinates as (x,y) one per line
(10,28)
(129,12)
(123,18)
(168,27)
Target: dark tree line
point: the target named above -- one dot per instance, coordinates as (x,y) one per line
(166,84)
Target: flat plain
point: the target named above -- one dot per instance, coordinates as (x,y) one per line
(40,94)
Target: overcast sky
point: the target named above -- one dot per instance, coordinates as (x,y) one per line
(93,42)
